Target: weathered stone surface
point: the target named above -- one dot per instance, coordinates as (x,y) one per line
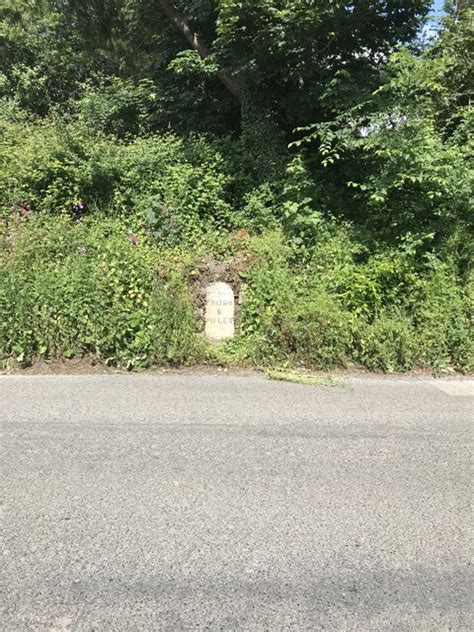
(219,312)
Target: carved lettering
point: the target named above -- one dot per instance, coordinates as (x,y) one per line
(219,312)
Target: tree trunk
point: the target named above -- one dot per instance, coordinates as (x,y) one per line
(194,40)
(264,141)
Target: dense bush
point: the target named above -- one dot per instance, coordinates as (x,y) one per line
(93,287)
(126,160)
(104,287)
(54,166)
(383,314)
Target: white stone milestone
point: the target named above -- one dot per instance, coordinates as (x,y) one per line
(219,312)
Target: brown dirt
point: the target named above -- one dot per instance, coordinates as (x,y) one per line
(91,366)
(74,366)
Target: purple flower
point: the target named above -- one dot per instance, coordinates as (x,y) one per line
(79,207)
(133,238)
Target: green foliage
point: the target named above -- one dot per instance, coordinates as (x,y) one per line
(43,57)
(451,58)
(86,289)
(117,106)
(311,57)
(303,223)
(260,208)
(443,316)
(105,287)
(387,343)
(54,166)
(383,314)
(398,165)
(127,158)
(305,57)
(178,185)
(418,188)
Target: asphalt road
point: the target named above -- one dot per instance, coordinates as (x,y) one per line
(224,502)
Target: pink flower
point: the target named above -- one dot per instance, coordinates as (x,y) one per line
(133,239)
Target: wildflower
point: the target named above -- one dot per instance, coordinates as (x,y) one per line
(79,207)
(84,251)
(78,210)
(133,238)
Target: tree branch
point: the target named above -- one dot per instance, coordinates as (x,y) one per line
(194,40)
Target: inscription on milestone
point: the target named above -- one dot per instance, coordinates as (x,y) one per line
(219,312)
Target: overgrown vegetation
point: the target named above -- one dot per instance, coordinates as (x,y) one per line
(324,147)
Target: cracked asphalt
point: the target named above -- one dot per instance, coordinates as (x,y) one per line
(231,502)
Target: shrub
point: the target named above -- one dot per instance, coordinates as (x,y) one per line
(286,317)
(91,288)
(383,314)
(89,219)
(388,343)
(442,316)
(56,167)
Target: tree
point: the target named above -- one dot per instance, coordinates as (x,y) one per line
(399,163)
(212,60)
(306,57)
(452,59)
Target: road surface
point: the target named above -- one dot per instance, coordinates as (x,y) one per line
(230,502)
